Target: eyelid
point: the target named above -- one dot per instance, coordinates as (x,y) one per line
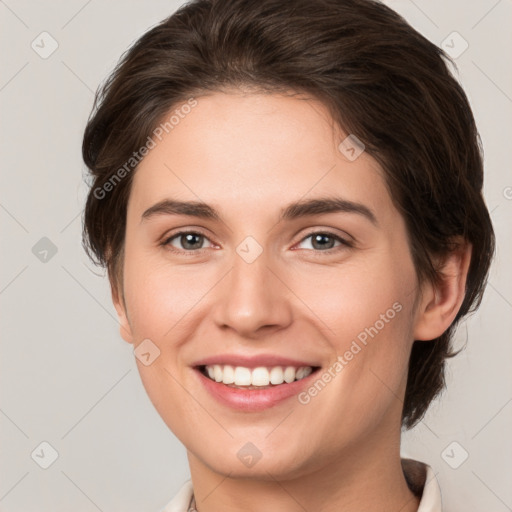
(345,241)
(166,239)
(345,237)
(182,231)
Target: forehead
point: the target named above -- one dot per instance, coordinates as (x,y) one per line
(249,152)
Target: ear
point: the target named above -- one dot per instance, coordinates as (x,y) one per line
(440,302)
(120,305)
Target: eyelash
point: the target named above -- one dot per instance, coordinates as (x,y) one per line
(344,244)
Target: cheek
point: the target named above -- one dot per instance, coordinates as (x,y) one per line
(161,301)
(356,299)
(365,310)
(158,295)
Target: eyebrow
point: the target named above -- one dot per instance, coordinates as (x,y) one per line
(292,211)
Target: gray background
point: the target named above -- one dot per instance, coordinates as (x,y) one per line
(66,376)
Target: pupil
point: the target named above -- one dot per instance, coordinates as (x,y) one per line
(321,239)
(189,241)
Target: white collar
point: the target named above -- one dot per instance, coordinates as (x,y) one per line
(421,475)
(431,497)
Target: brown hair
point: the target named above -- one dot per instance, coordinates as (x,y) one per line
(381,80)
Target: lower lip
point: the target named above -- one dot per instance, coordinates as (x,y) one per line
(251,400)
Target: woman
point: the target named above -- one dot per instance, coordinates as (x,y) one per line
(288,199)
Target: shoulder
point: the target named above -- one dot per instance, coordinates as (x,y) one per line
(420,477)
(422,481)
(181,501)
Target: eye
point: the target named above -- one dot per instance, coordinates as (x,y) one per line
(190,241)
(322,241)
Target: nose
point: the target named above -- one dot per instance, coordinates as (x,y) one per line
(254,299)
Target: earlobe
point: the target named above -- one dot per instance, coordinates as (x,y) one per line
(441,301)
(124,325)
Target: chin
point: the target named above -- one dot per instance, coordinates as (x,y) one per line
(246,461)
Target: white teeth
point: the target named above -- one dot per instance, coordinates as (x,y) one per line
(217,373)
(228,376)
(260,376)
(289,374)
(242,376)
(303,372)
(276,375)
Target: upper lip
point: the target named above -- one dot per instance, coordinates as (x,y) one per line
(252,361)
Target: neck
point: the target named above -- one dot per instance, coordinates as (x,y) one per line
(368,478)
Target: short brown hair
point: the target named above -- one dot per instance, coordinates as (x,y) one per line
(380,79)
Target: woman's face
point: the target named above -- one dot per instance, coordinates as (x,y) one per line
(256,281)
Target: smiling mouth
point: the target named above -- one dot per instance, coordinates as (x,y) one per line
(261,377)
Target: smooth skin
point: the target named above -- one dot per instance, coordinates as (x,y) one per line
(249,155)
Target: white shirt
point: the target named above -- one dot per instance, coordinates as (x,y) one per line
(418,474)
